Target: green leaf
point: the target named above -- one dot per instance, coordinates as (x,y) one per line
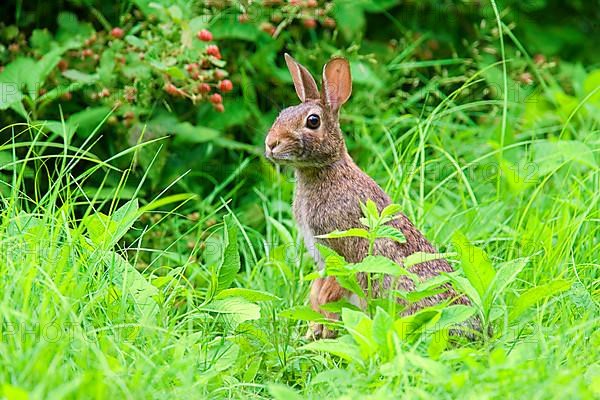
(234,309)
(391,210)
(188,133)
(230,262)
(549,155)
(421,257)
(380,265)
(350,18)
(248,294)
(536,294)
(353,232)
(282,392)
(11,94)
(86,121)
(79,76)
(302,313)
(343,347)
(389,232)
(334,263)
(360,327)
(476,264)
(506,274)
(454,315)
(382,326)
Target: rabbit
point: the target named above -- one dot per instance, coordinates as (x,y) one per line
(329,187)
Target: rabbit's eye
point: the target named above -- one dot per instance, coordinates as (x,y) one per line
(313,121)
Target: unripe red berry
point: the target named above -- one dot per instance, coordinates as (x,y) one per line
(87,52)
(225,86)
(117,33)
(204,88)
(216,98)
(220,74)
(172,89)
(219,107)
(213,50)
(311,3)
(310,23)
(205,35)
(243,18)
(329,22)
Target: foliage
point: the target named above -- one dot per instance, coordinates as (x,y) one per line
(147,251)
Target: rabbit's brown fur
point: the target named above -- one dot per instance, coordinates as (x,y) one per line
(330,187)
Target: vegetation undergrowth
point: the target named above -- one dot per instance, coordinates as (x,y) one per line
(139,265)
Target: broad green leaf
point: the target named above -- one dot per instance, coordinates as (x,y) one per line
(549,155)
(380,265)
(407,326)
(536,294)
(234,309)
(505,275)
(382,326)
(11,94)
(476,264)
(230,262)
(421,257)
(248,294)
(352,232)
(350,283)
(187,133)
(79,76)
(464,285)
(333,261)
(301,313)
(220,355)
(391,210)
(360,327)
(87,120)
(343,347)
(454,315)
(131,281)
(389,232)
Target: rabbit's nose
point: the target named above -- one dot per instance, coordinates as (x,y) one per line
(272,142)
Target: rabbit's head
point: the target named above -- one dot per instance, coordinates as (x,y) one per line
(308,135)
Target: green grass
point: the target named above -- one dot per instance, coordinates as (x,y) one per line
(101,297)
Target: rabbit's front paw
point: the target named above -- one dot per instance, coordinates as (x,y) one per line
(318,331)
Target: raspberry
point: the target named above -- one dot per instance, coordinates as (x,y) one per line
(117,33)
(225,86)
(213,50)
(63,65)
(219,107)
(216,98)
(204,88)
(205,35)
(329,22)
(172,89)
(309,23)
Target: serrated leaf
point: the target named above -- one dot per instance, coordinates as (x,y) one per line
(505,275)
(234,309)
(389,232)
(421,257)
(476,264)
(343,347)
(353,232)
(230,261)
(536,294)
(380,265)
(301,313)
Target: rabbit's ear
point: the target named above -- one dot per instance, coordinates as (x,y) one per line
(337,83)
(304,83)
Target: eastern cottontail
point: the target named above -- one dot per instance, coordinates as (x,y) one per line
(330,187)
